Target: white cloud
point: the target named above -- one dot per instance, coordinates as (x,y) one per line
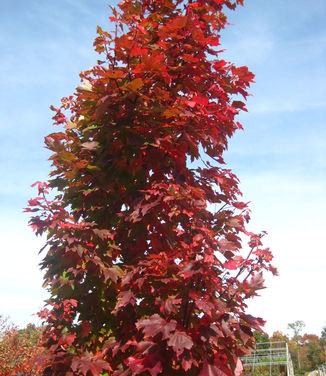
(292,210)
(290,297)
(21,292)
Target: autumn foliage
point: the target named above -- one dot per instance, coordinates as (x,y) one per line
(145,258)
(19,349)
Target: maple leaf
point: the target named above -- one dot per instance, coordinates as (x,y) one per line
(238,368)
(226,329)
(124,298)
(155,324)
(204,305)
(200,100)
(117,73)
(231,265)
(178,22)
(148,363)
(187,362)
(254,322)
(135,84)
(171,305)
(137,51)
(41,186)
(86,328)
(191,103)
(245,333)
(180,341)
(67,339)
(188,271)
(256,282)
(91,145)
(103,234)
(87,364)
(214,370)
(239,104)
(113,273)
(145,208)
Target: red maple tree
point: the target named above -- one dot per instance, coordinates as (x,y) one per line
(144,276)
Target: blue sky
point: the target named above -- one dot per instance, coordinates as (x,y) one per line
(280,158)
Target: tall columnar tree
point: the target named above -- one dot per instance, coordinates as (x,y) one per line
(144,258)
(297,327)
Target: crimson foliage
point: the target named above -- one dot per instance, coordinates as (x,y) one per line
(145,277)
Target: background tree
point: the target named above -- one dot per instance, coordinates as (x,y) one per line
(323,336)
(261,337)
(5,326)
(278,336)
(314,353)
(297,327)
(323,339)
(144,276)
(19,349)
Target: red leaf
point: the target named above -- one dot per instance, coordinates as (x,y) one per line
(92,145)
(155,324)
(147,207)
(204,305)
(254,322)
(200,100)
(102,234)
(191,104)
(256,282)
(187,271)
(113,273)
(86,328)
(238,369)
(188,361)
(171,305)
(213,370)
(73,302)
(180,341)
(135,84)
(41,186)
(124,298)
(231,265)
(178,22)
(219,65)
(226,329)
(67,339)
(148,363)
(90,364)
(137,51)
(239,104)
(116,74)
(245,333)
